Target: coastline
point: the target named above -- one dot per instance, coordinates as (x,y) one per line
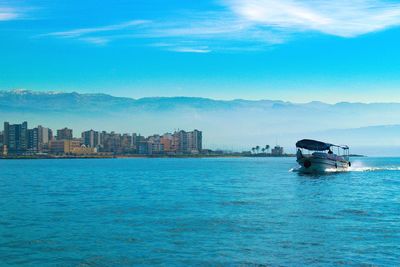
(141,156)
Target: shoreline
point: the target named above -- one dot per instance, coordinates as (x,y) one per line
(37,157)
(140,156)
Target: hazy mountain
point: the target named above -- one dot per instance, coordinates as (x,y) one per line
(233,124)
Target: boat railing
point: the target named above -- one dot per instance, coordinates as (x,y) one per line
(342,154)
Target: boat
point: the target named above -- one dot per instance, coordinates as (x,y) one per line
(318,157)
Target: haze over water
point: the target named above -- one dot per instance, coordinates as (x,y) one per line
(244,211)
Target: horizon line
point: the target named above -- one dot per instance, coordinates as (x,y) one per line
(187,96)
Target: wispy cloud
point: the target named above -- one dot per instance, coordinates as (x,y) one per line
(8,13)
(95,40)
(340,17)
(244,24)
(200,50)
(194,35)
(183,47)
(95,30)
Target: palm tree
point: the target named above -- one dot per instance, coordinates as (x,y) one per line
(258,149)
(253,149)
(263,150)
(267,147)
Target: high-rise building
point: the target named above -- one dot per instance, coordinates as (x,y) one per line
(166,140)
(45,135)
(136,138)
(110,142)
(64,134)
(33,140)
(1,139)
(91,138)
(134,141)
(187,142)
(180,141)
(140,144)
(2,143)
(16,137)
(143,147)
(194,141)
(51,135)
(155,145)
(126,143)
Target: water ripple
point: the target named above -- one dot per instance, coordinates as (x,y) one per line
(185,212)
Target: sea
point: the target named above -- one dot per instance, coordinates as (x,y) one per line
(198,212)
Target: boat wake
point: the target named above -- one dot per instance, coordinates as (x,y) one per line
(360,167)
(357,169)
(372,169)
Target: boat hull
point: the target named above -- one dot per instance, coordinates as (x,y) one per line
(318,165)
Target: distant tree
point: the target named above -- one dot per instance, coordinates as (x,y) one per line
(253,149)
(267,147)
(263,150)
(258,149)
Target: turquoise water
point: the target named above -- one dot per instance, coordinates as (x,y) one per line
(124,212)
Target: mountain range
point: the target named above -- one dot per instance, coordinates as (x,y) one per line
(228,124)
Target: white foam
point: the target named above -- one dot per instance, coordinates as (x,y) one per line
(371,169)
(358,166)
(294,169)
(357,169)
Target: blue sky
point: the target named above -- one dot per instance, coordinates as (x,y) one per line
(254,49)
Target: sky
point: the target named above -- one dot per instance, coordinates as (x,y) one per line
(291,50)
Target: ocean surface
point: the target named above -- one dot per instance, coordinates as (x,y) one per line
(185,212)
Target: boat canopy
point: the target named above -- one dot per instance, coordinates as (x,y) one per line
(316,145)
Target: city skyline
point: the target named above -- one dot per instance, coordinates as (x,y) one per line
(19,139)
(297,51)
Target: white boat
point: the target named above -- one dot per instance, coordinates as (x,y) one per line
(318,157)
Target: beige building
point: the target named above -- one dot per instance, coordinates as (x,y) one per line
(64,146)
(83,150)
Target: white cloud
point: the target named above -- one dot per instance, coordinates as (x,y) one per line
(8,13)
(183,47)
(248,25)
(345,18)
(87,31)
(205,24)
(191,50)
(194,35)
